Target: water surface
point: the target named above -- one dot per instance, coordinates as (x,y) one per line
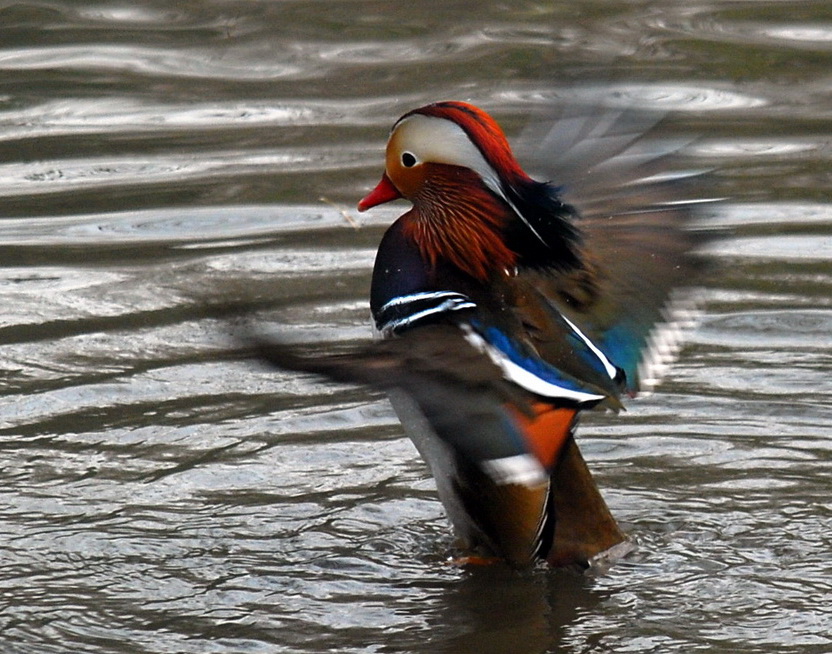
(164,164)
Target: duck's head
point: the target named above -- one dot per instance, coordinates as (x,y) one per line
(453,134)
(473,205)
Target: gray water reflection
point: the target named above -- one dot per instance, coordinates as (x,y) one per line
(161,168)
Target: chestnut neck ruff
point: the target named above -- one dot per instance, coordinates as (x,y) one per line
(456,219)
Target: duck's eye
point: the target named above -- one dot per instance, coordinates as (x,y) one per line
(408,159)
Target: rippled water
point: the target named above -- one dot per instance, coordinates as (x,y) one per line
(163,165)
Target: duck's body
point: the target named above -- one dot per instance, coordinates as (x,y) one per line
(503,326)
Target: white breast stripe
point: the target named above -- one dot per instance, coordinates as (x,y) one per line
(417,297)
(454,304)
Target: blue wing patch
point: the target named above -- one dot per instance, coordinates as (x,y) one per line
(527,369)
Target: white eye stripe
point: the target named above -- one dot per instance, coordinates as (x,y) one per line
(439,140)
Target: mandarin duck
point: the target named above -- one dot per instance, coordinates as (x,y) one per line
(508,306)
